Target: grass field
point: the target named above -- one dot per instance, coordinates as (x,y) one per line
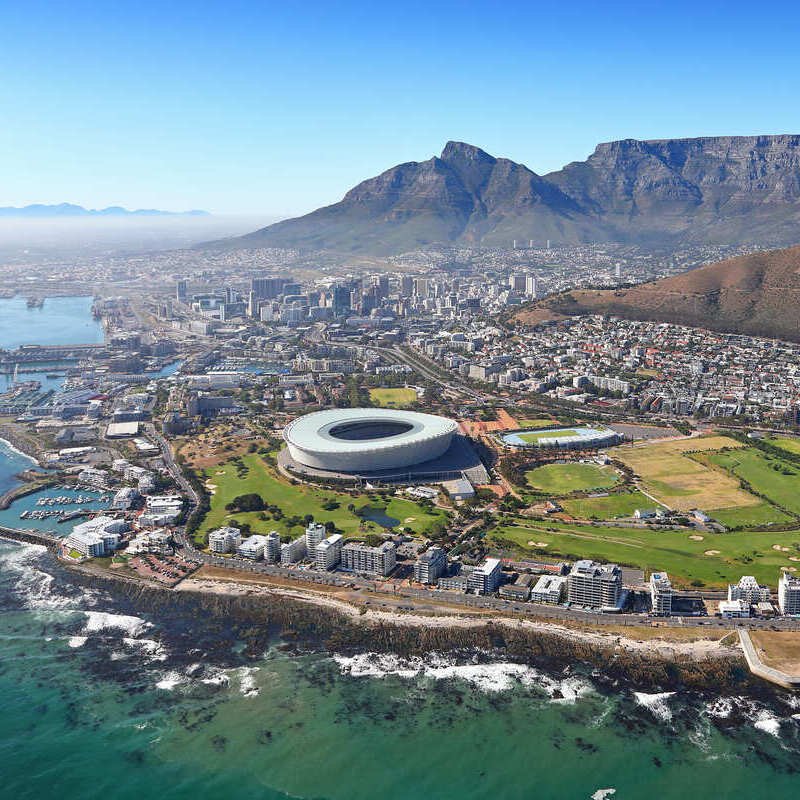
(775,479)
(730,555)
(611,507)
(534,436)
(540,422)
(299,500)
(683,483)
(778,649)
(789,443)
(561,479)
(393,398)
(751,516)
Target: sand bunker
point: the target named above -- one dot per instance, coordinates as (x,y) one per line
(695,538)
(712,552)
(794,558)
(538,544)
(780,549)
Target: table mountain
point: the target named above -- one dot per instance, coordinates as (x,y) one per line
(711,190)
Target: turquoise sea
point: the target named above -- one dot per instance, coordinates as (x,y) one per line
(102,700)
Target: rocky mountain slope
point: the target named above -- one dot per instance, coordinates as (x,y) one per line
(714,190)
(757,294)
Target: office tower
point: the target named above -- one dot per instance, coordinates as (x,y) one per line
(180,291)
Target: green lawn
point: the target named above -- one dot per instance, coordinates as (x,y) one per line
(751,516)
(789,443)
(611,507)
(539,422)
(561,479)
(685,559)
(534,436)
(773,478)
(393,398)
(299,500)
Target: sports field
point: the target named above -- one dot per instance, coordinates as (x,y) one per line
(534,436)
(610,507)
(561,479)
(681,482)
(299,500)
(393,398)
(712,561)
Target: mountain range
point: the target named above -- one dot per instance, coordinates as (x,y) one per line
(710,190)
(756,294)
(60,210)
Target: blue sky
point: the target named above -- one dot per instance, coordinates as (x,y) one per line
(277,108)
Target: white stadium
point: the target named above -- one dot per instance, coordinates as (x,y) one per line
(367,439)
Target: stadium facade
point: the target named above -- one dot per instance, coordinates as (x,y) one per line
(358,440)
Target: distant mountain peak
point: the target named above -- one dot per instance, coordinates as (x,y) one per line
(59,210)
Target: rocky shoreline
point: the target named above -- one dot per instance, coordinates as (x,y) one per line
(258,618)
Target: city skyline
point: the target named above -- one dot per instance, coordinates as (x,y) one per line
(278,111)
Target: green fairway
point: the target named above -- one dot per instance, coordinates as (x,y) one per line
(751,516)
(789,443)
(393,398)
(713,561)
(611,507)
(299,500)
(534,436)
(561,479)
(773,478)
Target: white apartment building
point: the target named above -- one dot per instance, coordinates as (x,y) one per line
(367,560)
(749,590)
(252,547)
(329,552)
(595,585)
(272,547)
(661,594)
(315,533)
(485,579)
(549,589)
(224,540)
(294,551)
(430,566)
(789,594)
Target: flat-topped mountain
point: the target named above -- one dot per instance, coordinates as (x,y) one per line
(711,190)
(756,294)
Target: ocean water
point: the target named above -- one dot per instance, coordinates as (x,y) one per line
(100,699)
(60,320)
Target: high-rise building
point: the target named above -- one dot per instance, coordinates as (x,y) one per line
(485,579)
(294,551)
(430,566)
(531,289)
(272,547)
(406,285)
(315,533)
(266,288)
(421,287)
(749,591)
(180,291)
(594,585)
(367,560)
(661,594)
(329,552)
(517,283)
(340,299)
(789,594)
